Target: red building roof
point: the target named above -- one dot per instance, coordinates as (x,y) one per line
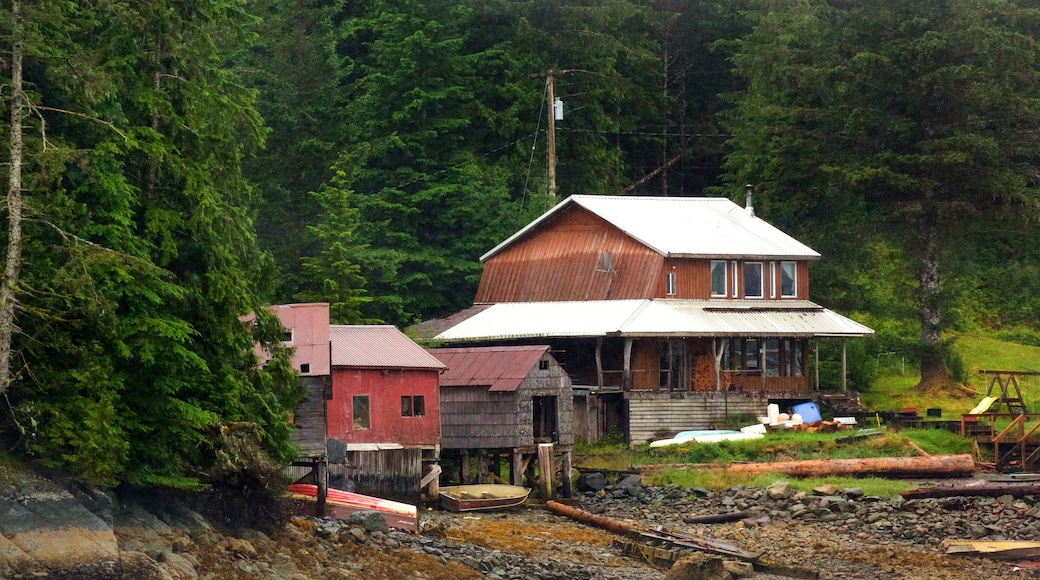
(502,368)
(377,346)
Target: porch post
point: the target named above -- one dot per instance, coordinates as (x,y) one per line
(762,363)
(843,365)
(716,350)
(517,469)
(599,362)
(626,380)
(816,351)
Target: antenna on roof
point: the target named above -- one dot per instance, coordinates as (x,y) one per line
(749,190)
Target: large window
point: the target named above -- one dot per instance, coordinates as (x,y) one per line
(784,357)
(788,279)
(362,412)
(413,406)
(718,278)
(753,280)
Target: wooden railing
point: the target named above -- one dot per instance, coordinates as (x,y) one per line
(1016,438)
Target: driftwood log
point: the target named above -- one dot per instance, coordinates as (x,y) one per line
(892,467)
(934,466)
(717,518)
(1012,489)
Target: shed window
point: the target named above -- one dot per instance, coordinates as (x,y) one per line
(718,278)
(362,412)
(753,280)
(413,406)
(788,279)
(670,284)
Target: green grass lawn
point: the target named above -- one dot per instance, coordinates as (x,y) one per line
(895,390)
(892,391)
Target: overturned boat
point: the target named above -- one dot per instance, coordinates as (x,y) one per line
(341,504)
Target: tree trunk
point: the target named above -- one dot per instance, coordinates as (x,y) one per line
(14,203)
(934,372)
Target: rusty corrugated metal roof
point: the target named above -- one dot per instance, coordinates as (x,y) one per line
(377,346)
(501,368)
(659,317)
(684,227)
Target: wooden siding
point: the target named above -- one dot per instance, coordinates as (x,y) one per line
(653,416)
(588,423)
(309,426)
(564,260)
(384,388)
(692,278)
(700,371)
(772,384)
(476,418)
(391,474)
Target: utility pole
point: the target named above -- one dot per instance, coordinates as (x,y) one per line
(552,135)
(552,126)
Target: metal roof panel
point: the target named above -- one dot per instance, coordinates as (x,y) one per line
(688,227)
(660,317)
(377,346)
(500,368)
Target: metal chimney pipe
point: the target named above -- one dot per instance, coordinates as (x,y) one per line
(749,190)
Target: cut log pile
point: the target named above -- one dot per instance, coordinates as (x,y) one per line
(704,373)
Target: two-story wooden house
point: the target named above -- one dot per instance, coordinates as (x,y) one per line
(676,313)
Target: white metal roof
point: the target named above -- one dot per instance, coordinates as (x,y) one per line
(660,317)
(685,227)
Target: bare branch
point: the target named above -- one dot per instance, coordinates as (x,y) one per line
(109,124)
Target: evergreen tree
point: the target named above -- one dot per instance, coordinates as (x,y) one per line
(895,122)
(139,258)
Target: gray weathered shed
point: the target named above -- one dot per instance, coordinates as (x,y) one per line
(504,399)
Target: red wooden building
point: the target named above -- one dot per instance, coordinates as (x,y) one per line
(673,313)
(384,389)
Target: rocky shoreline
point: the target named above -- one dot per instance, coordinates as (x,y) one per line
(55,530)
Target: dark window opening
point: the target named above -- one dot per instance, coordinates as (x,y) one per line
(753,280)
(718,278)
(544,419)
(362,413)
(413,406)
(672,358)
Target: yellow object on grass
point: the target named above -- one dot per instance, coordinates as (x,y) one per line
(983,406)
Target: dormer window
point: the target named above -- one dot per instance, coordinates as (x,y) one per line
(753,280)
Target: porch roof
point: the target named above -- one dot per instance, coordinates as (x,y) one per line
(658,317)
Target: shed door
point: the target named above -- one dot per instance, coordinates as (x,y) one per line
(545,429)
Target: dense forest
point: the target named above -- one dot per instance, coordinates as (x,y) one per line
(172,167)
